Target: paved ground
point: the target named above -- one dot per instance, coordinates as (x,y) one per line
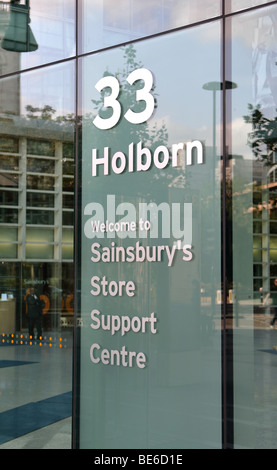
(35,378)
(34,373)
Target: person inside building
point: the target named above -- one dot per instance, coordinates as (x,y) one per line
(34,313)
(274,304)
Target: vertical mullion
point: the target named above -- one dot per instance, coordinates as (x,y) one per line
(76,368)
(227,332)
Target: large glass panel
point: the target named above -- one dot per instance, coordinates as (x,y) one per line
(36,146)
(107,23)
(150,322)
(237,5)
(34,32)
(253,169)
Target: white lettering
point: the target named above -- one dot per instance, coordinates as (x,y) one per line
(140,158)
(112,288)
(115,357)
(194,145)
(100,161)
(143,152)
(123,324)
(118,156)
(139,254)
(187,253)
(161,164)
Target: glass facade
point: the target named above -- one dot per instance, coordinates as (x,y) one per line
(106,23)
(138,232)
(36,236)
(253,173)
(183,355)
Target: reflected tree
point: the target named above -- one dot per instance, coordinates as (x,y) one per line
(263,137)
(263,141)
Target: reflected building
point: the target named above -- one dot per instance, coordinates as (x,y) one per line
(37,193)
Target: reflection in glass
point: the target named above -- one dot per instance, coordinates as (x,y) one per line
(8,215)
(106,23)
(36,149)
(18,36)
(40,182)
(254,227)
(237,5)
(9,198)
(39,147)
(39,217)
(40,166)
(8,180)
(40,199)
(32,33)
(9,162)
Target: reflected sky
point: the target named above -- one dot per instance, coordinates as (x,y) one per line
(53,28)
(253,69)
(107,23)
(237,5)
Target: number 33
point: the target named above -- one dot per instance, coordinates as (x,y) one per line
(111,101)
